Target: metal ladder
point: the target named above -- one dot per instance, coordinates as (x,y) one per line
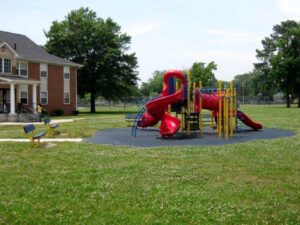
(140,113)
(141,110)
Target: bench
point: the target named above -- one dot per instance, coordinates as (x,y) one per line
(51,126)
(30,133)
(130,118)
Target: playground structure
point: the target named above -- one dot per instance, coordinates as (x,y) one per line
(192,102)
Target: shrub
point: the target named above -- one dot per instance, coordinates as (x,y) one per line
(75,112)
(58,112)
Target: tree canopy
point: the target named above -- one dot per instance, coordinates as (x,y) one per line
(204,73)
(280,59)
(154,85)
(108,69)
(254,83)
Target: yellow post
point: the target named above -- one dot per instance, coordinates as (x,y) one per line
(188,102)
(200,106)
(234,108)
(231,109)
(194,95)
(176,89)
(226,113)
(220,109)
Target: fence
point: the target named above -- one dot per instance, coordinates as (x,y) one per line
(136,101)
(263,100)
(124,102)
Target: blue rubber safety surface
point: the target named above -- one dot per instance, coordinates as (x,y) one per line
(151,137)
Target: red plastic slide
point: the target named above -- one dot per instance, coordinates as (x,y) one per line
(247,121)
(156,108)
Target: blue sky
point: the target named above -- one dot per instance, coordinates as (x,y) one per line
(168,34)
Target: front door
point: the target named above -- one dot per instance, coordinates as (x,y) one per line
(4,100)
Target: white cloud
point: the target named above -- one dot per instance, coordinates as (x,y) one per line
(226,37)
(225,33)
(290,8)
(214,55)
(143,28)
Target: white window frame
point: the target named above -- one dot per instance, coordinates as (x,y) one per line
(45,73)
(3,71)
(67,71)
(20,97)
(19,68)
(10,66)
(42,70)
(68,78)
(67,103)
(45,98)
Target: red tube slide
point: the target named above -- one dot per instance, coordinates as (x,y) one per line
(156,108)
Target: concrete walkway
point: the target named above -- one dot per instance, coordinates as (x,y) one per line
(54,121)
(42,140)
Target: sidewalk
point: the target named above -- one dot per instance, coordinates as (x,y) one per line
(54,121)
(42,140)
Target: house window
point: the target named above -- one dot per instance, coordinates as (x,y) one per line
(44,97)
(67,72)
(24,97)
(5,66)
(43,70)
(66,76)
(44,74)
(22,69)
(1,65)
(66,97)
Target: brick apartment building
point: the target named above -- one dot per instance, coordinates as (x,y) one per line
(29,75)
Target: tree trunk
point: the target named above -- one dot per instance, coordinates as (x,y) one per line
(288,102)
(93,100)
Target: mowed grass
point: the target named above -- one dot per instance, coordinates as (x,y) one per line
(256,182)
(84,125)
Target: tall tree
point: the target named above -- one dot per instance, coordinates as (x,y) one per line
(99,45)
(280,58)
(204,73)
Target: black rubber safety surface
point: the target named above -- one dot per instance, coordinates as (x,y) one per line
(151,137)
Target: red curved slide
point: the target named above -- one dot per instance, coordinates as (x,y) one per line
(156,108)
(247,121)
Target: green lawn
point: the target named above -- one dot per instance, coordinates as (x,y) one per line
(257,182)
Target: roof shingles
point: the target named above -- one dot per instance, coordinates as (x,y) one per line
(28,50)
